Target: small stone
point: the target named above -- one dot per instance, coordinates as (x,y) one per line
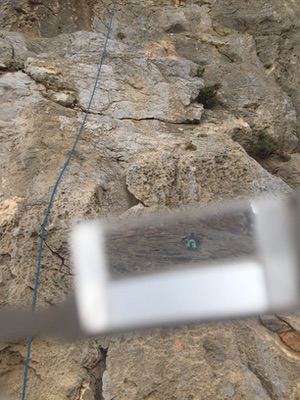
(293,320)
(64,99)
(290,171)
(291,339)
(274,324)
(229,390)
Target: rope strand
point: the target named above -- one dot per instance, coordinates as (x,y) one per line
(53,194)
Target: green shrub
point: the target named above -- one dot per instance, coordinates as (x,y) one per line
(208,96)
(202,135)
(200,71)
(121,35)
(268,65)
(263,145)
(12,65)
(190,146)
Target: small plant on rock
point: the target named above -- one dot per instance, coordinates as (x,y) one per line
(190,146)
(121,35)
(200,71)
(268,65)
(263,145)
(12,65)
(208,96)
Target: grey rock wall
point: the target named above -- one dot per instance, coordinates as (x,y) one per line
(189,90)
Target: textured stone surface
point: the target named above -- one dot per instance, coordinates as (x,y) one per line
(221,361)
(274,26)
(214,168)
(290,171)
(185,85)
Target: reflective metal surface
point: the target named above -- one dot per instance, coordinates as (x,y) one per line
(198,264)
(180,239)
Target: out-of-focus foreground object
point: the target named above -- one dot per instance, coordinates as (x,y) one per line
(189,265)
(199,264)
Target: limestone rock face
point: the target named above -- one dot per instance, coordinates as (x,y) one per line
(289,171)
(201,170)
(188,90)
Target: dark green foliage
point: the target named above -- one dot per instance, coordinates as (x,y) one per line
(190,146)
(263,145)
(12,65)
(208,96)
(200,71)
(268,65)
(121,35)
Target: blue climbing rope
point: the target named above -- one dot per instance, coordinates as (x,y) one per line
(53,193)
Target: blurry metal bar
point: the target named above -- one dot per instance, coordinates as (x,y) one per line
(58,321)
(191,265)
(219,262)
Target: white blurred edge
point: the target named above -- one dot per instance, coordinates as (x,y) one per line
(264,282)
